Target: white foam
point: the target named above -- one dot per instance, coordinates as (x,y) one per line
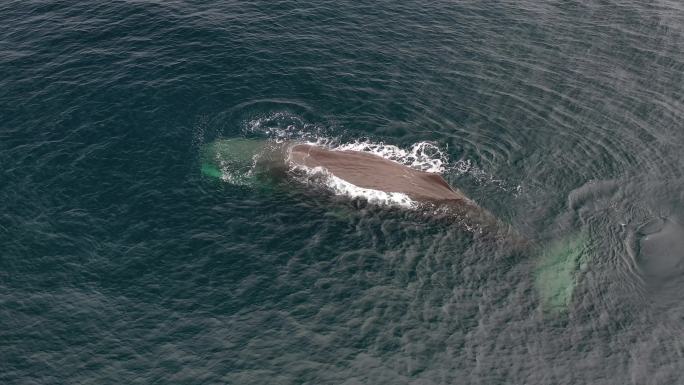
(424,156)
(342,187)
(282,126)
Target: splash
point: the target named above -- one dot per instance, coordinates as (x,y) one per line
(339,186)
(281,126)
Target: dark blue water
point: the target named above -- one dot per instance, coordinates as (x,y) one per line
(121,264)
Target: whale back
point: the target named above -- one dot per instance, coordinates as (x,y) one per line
(370,171)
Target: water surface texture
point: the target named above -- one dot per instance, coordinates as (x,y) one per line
(121,263)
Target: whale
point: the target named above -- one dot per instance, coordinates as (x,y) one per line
(255,162)
(258,162)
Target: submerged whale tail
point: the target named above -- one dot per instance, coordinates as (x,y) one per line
(557,271)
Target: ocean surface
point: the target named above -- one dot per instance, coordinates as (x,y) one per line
(121,263)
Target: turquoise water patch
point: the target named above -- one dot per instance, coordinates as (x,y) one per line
(557,269)
(232,160)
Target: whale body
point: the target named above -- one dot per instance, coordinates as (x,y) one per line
(373,172)
(251,162)
(370,171)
